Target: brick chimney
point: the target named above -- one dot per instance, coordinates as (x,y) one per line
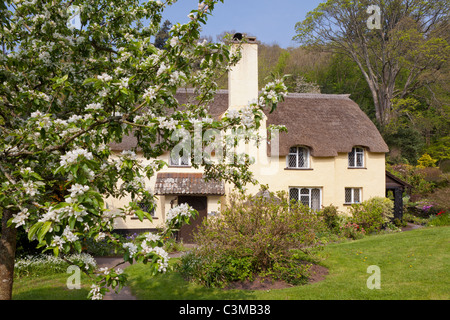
(243,77)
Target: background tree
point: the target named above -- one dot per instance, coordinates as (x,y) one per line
(404,54)
(67,93)
(163,35)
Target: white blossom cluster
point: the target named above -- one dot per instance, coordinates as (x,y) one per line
(245,115)
(20,218)
(149,94)
(131,247)
(163,263)
(104,77)
(67,235)
(71,157)
(169,124)
(95,292)
(78,190)
(180,210)
(30,188)
(269,92)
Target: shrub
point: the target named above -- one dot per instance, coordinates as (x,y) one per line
(253,236)
(442,218)
(352,231)
(372,214)
(331,218)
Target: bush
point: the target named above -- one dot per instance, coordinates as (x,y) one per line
(442,218)
(372,214)
(352,231)
(331,218)
(253,236)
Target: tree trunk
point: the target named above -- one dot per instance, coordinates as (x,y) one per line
(7,256)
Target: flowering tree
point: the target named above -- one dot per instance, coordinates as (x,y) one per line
(66,93)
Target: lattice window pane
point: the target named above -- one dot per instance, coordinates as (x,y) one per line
(356,195)
(301,157)
(293,150)
(305,196)
(351,158)
(348,195)
(292,161)
(315,199)
(185,159)
(360,159)
(146,207)
(174,159)
(293,194)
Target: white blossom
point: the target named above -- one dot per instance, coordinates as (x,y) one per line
(131,247)
(78,190)
(170,124)
(232,114)
(104,77)
(71,157)
(57,241)
(20,218)
(174,41)
(68,234)
(181,210)
(30,188)
(95,292)
(149,94)
(94,106)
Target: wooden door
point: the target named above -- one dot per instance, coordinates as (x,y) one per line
(198,203)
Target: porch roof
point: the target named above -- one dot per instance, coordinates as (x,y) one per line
(187,184)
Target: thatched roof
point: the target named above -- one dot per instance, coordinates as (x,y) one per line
(216,109)
(327,124)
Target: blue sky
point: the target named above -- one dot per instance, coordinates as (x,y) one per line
(271,21)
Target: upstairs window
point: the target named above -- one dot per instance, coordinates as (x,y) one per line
(311,197)
(298,157)
(180,161)
(356,158)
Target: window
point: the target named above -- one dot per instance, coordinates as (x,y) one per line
(147,207)
(311,197)
(356,158)
(298,157)
(176,160)
(352,195)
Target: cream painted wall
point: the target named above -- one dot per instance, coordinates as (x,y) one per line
(243,78)
(164,203)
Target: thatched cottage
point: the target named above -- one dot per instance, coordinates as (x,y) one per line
(331,154)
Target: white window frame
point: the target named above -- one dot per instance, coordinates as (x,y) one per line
(296,154)
(353,192)
(179,163)
(356,151)
(309,195)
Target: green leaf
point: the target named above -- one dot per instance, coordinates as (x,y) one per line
(43,230)
(34,229)
(140,214)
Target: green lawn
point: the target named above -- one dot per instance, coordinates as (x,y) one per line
(414,265)
(49,287)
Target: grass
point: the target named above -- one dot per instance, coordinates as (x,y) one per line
(415,265)
(49,287)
